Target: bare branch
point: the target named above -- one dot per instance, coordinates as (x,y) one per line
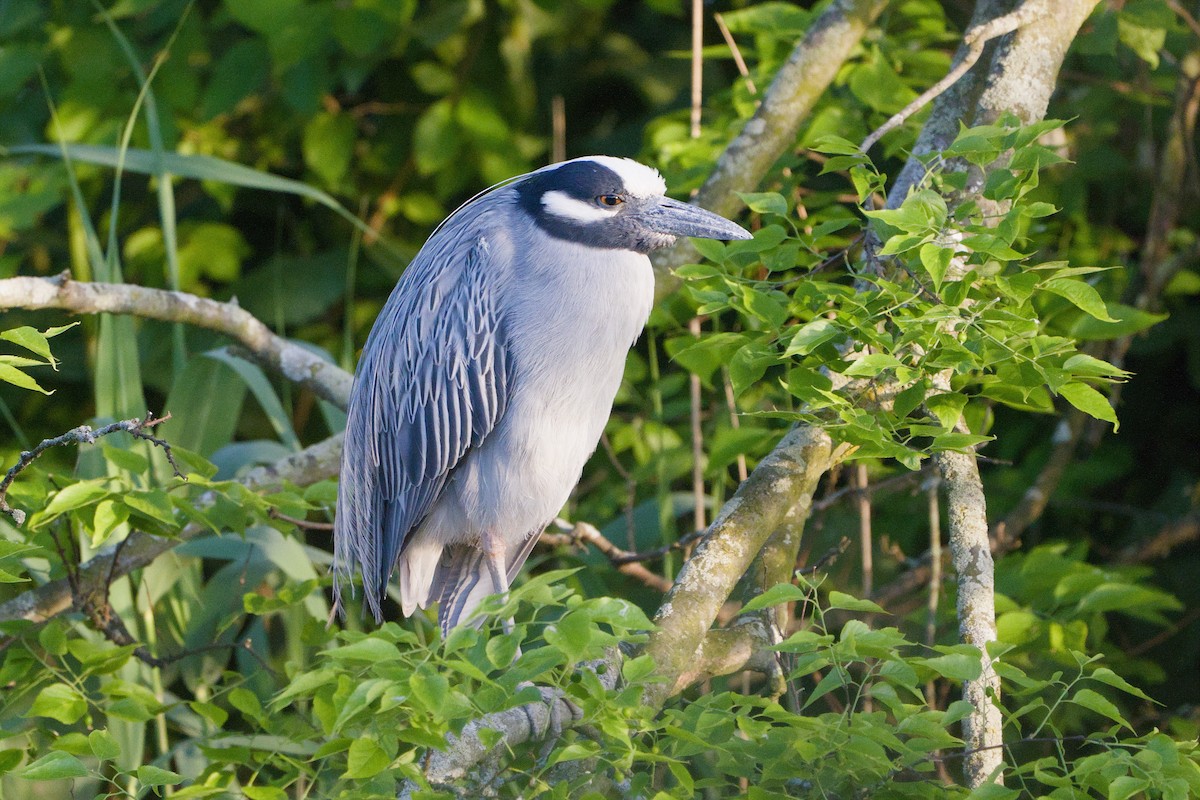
(1160,545)
(84,434)
(625,561)
(291,361)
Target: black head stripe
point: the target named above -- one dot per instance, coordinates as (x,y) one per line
(580,180)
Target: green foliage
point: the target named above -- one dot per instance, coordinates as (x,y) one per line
(963,304)
(353,715)
(12,367)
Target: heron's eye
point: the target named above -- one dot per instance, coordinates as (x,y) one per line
(610,200)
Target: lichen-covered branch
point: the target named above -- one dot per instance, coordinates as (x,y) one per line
(291,361)
(733,541)
(771,132)
(971,554)
(315,463)
(467,754)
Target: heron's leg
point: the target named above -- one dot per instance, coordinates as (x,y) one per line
(495,554)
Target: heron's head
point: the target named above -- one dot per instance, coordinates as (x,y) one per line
(615,204)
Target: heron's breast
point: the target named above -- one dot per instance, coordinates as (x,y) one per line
(569,330)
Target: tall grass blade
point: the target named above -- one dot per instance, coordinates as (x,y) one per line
(166,193)
(256,381)
(196,167)
(205,402)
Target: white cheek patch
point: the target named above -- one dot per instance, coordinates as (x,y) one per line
(562,205)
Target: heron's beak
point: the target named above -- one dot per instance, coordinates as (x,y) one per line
(682,219)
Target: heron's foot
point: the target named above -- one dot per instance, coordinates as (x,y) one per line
(561,714)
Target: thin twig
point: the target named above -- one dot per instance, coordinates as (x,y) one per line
(828,558)
(935,575)
(865,540)
(1187,18)
(558,129)
(735,421)
(696,398)
(583,532)
(974,39)
(84,434)
(737,53)
(275,513)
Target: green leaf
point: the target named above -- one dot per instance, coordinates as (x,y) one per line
(947,407)
(435,138)
(1094,701)
(572,634)
(1089,401)
(697,271)
(711,249)
(777,594)
(264,793)
(366,759)
(1125,786)
(836,145)
(993,791)
(851,603)
(765,202)
(10,374)
(1107,676)
(429,687)
(329,145)
(109,514)
(369,649)
(104,745)
(955,666)
(53,767)
(871,365)
(1091,367)
(75,496)
(151,503)
(150,775)
(33,340)
(1082,295)
(1144,39)
(936,260)
(812,335)
(61,702)
(1129,320)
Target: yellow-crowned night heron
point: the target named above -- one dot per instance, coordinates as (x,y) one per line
(490,373)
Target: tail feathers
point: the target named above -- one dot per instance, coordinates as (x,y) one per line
(418,565)
(463,581)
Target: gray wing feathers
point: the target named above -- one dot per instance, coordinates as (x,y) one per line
(430,385)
